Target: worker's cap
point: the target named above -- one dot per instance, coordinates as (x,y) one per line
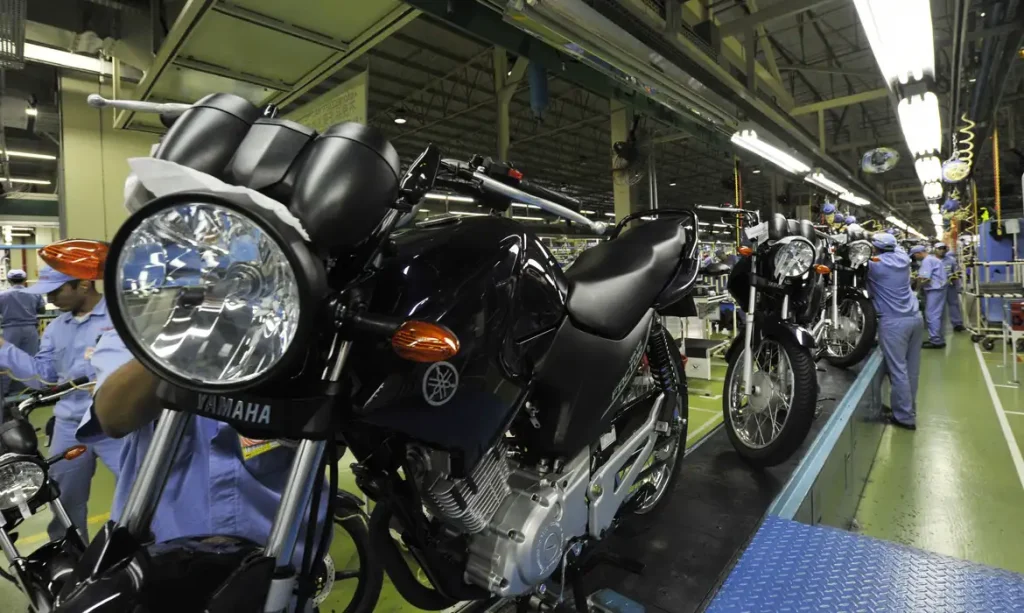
(16,274)
(49,280)
(829,209)
(918,249)
(884,241)
(940,245)
(851,219)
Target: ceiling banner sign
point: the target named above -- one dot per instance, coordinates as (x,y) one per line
(346,102)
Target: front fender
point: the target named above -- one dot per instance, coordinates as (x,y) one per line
(773,328)
(853,292)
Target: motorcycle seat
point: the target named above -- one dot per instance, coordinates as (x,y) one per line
(612,285)
(716,269)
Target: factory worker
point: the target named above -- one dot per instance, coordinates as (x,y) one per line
(931,277)
(900,329)
(18,310)
(850,220)
(952,268)
(64,354)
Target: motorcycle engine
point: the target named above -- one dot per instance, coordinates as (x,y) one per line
(519,521)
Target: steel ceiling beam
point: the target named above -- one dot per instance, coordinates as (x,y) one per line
(779,10)
(836,103)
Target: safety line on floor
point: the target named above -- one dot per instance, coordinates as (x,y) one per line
(1014,412)
(1004,424)
(709,423)
(703,410)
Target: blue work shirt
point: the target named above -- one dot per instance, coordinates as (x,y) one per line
(212,488)
(64,354)
(18,307)
(951,267)
(889,284)
(934,270)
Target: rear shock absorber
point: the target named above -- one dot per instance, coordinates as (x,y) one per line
(659,356)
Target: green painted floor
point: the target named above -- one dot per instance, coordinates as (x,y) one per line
(705,415)
(952,486)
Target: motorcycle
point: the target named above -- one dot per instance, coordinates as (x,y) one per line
(490,398)
(847,322)
(771,389)
(25,488)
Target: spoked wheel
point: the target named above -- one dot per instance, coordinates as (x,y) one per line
(349,578)
(767,426)
(849,341)
(661,466)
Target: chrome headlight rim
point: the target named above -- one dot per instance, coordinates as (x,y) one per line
(12,459)
(857,263)
(308,270)
(784,243)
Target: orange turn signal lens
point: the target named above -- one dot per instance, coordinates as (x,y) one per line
(875,258)
(821,269)
(421,341)
(745,251)
(82,259)
(74,452)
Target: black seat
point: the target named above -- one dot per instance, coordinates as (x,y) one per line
(612,285)
(716,269)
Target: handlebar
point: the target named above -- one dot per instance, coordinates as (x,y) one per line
(98,102)
(549,194)
(43,397)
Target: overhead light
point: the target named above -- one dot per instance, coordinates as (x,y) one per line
(748,140)
(929,169)
(937,219)
(819,179)
(933,190)
(423,210)
(22,234)
(854,199)
(756,171)
(35,156)
(400,116)
(57,57)
(31,111)
(900,35)
(981,14)
(922,128)
(933,207)
(672,184)
(609,214)
(971,80)
(28,181)
(527,218)
(896,221)
(529,206)
(586,212)
(469,214)
(400,120)
(446,197)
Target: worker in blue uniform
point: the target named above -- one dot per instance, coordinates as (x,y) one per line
(931,277)
(900,328)
(220,483)
(18,310)
(952,268)
(64,354)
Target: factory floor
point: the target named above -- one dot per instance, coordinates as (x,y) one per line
(956,485)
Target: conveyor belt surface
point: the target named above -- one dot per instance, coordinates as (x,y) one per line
(716,505)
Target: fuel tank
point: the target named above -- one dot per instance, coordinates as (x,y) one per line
(500,291)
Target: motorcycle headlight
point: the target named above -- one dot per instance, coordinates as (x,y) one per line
(20,481)
(213,292)
(794,258)
(859,253)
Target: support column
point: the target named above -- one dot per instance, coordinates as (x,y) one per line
(505,82)
(624,196)
(822,137)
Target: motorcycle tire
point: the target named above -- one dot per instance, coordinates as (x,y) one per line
(867,336)
(801,409)
(370,575)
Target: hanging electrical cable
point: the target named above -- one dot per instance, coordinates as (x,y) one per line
(995,172)
(958,167)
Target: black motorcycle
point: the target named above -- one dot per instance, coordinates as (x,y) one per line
(491,399)
(25,488)
(771,390)
(847,322)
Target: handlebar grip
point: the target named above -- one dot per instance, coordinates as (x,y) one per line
(548,194)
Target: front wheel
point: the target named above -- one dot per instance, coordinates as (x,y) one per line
(850,340)
(767,426)
(349,579)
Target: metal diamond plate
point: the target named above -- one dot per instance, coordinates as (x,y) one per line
(791,566)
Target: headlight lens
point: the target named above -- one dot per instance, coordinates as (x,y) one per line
(794,258)
(207,294)
(859,254)
(19,483)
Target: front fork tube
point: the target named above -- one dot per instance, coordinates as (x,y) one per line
(748,332)
(37,602)
(152,477)
(835,299)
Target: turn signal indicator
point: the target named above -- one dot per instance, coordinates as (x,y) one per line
(421,341)
(82,259)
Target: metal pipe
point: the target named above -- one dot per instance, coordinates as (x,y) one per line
(152,476)
(748,333)
(303,474)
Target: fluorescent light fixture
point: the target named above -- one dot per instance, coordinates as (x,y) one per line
(469,214)
(819,179)
(32,111)
(922,128)
(34,156)
(854,199)
(609,214)
(57,57)
(896,221)
(672,184)
(929,169)
(586,212)
(756,171)
(933,190)
(720,225)
(937,219)
(22,234)
(423,211)
(448,198)
(27,181)
(901,37)
(748,140)
(527,218)
(933,208)
(529,206)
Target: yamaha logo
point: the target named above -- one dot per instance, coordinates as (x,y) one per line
(220,406)
(440,383)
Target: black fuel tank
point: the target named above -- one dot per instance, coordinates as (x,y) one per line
(499,290)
